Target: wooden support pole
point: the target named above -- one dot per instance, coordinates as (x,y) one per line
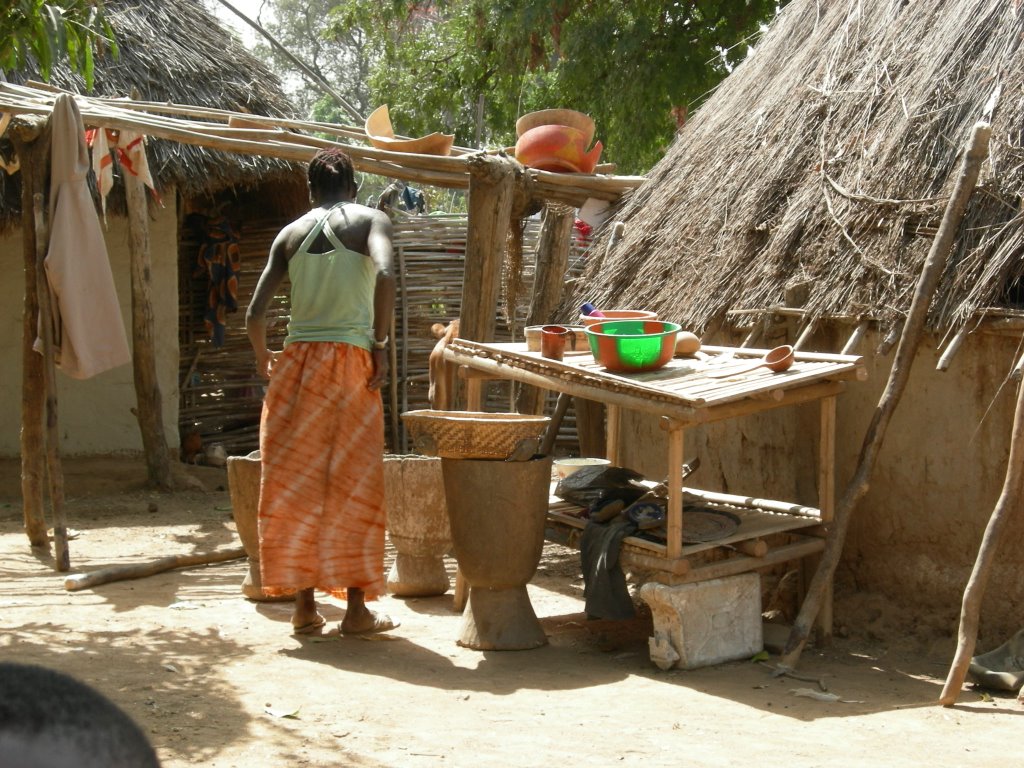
(826,503)
(913,329)
(674,517)
(806,334)
(970,610)
(951,350)
(54,471)
(553,242)
(393,384)
(491,193)
(491,187)
(402,374)
(855,337)
(552,263)
(148,398)
(590,429)
(33,156)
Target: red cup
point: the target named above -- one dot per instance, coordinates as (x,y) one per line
(552,341)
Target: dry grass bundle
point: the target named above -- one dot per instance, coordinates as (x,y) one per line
(825,159)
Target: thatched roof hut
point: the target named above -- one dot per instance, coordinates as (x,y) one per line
(802,198)
(826,158)
(177,52)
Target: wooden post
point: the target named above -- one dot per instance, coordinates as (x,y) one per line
(910,337)
(54,471)
(33,155)
(826,503)
(674,517)
(590,427)
(491,186)
(149,401)
(491,191)
(552,263)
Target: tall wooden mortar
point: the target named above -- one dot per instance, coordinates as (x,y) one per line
(244,474)
(417,522)
(498,510)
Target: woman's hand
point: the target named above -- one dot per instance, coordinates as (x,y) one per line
(380,369)
(265,362)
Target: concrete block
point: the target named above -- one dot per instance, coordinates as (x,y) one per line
(709,622)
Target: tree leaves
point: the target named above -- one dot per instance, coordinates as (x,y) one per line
(48,31)
(471,67)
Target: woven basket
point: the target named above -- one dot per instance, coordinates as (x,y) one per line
(473,435)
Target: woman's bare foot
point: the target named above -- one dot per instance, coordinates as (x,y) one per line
(360,620)
(306,619)
(367,623)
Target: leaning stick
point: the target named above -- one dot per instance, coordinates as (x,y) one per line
(910,337)
(1009,500)
(140,570)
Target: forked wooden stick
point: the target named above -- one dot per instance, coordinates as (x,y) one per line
(1009,500)
(913,329)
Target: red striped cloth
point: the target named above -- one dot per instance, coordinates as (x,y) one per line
(321,516)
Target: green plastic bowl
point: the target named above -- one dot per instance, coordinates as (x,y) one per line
(632,346)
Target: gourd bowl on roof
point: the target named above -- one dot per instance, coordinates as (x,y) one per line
(380,134)
(568,117)
(558,148)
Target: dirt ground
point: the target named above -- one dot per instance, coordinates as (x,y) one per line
(216,680)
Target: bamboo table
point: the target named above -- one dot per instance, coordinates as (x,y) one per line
(685,396)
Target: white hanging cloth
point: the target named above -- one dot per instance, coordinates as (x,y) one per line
(88,328)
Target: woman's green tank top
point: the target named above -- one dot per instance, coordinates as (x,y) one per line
(332,292)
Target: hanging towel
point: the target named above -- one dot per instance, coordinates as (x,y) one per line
(89,332)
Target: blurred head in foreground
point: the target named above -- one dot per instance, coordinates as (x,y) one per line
(51,720)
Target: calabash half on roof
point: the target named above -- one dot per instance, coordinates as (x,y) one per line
(382,136)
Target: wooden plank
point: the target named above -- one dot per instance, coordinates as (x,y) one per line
(742,563)
(756,503)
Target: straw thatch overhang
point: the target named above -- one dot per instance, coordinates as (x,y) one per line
(813,181)
(177,53)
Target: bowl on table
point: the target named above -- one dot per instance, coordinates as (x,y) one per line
(618,314)
(633,346)
(565,467)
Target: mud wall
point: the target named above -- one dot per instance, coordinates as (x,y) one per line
(95,414)
(914,537)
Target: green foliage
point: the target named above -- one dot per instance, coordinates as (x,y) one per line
(338,58)
(473,66)
(48,31)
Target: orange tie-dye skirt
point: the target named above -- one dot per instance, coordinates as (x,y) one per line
(321,516)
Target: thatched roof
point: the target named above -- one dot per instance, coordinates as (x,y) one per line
(826,158)
(176,51)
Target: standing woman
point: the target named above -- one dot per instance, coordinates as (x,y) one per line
(321,510)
